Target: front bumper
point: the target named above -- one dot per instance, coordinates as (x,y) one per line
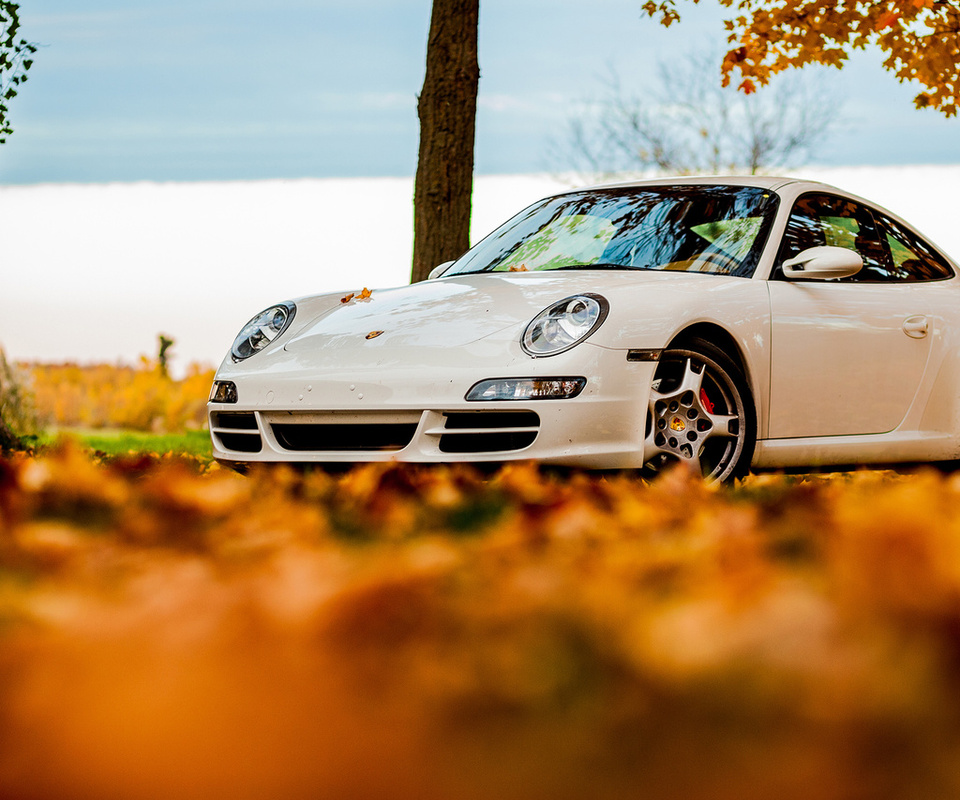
(420,415)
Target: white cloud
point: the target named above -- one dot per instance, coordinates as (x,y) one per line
(539,104)
(362,101)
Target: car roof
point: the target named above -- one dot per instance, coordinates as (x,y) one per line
(771,182)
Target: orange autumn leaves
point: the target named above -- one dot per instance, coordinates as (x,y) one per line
(110,396)
(400,631)
(364,294)
(920,40)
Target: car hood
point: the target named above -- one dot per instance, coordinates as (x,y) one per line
(460,310)
(437,313)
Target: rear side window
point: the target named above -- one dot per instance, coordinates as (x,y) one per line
(913,259)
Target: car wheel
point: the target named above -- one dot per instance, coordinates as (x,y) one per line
(701,412)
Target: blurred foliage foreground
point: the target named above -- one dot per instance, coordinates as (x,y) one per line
(174,630)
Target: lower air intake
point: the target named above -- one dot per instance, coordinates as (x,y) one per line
(343,438)
(240,442)
(489,431)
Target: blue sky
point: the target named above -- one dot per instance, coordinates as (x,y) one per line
(233,89)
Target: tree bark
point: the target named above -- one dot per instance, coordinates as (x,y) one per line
(447,108)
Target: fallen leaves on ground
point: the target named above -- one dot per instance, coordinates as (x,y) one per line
(437,632)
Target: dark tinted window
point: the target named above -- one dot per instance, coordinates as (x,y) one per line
(913,259)
(890,253)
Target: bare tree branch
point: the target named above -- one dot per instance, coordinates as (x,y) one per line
(688,123)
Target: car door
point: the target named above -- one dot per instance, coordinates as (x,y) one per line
(848,356)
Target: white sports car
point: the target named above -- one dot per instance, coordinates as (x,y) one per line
(733,323)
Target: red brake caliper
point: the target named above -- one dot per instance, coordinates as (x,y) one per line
(705,401)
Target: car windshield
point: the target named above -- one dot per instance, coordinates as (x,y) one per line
(710,229)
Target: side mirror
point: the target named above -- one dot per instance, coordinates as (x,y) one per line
(438,270)
(823,263)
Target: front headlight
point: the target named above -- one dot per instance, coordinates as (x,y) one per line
(564,324)
(262,329)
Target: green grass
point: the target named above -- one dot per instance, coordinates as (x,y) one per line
(120,442)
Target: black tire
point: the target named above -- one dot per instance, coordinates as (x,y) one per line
(715,427)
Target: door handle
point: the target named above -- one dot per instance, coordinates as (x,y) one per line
(916,327)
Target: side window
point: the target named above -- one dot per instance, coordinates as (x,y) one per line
(913,259)
(823,219)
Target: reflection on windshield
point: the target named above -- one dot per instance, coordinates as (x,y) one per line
(712,229)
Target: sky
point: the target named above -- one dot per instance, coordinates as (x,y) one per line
(213,90)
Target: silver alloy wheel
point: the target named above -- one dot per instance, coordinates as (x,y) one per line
(698,415)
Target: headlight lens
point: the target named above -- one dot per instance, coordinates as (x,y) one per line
(564,324)
(526,389)
(262,329)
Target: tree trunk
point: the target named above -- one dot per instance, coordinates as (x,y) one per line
(447,108)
